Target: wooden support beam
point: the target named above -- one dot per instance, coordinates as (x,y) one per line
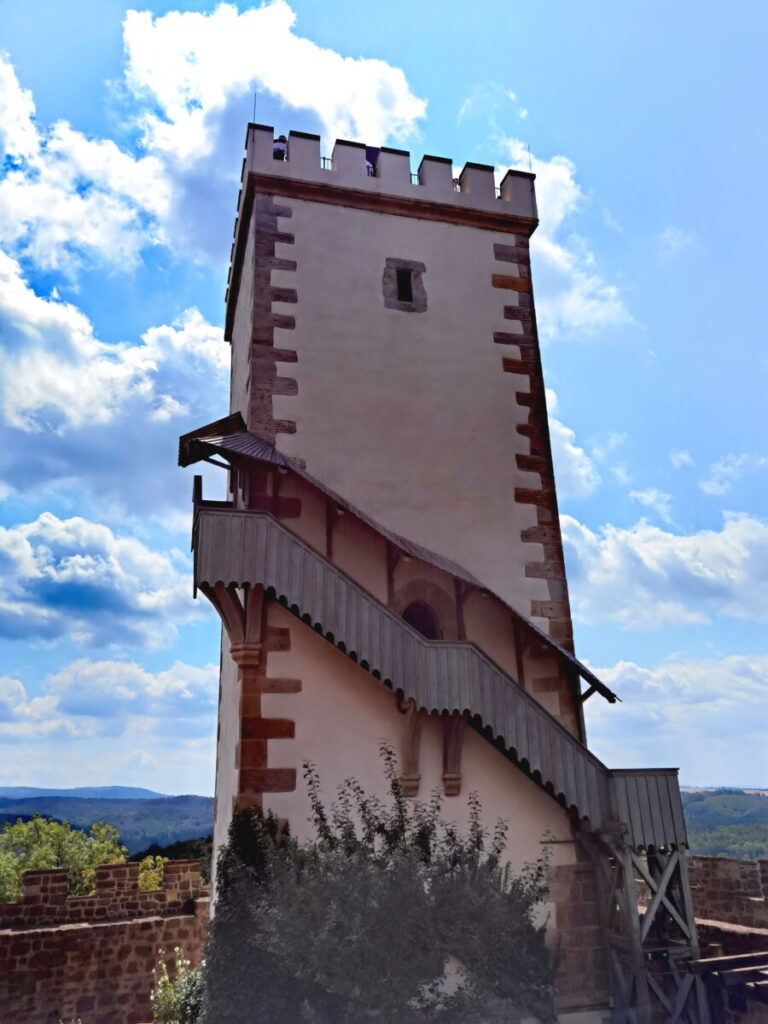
(461,591)
(393,557)
(517,636)
(714,964)
(331,515)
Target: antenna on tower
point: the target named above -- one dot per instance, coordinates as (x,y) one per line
(528,146)
(253,119)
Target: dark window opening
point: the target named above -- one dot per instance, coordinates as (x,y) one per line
(422,618)
(404,285)
(371,160)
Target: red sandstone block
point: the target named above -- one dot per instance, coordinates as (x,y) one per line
(267,780)
(264,684)
(266,728)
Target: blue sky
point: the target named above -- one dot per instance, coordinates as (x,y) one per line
(121,135)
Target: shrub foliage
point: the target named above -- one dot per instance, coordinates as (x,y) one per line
(390,914)
(176,995)
(44,843)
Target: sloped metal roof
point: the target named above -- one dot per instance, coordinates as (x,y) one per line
(239,548)
(229,437)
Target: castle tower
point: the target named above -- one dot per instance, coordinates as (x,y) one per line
(383,331)
(389,564)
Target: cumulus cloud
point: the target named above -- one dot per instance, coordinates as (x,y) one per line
(575,473)
(673,240)
(95,416)
(187,67)
(655,499)
(727,471)
(603,447)
(55,374)
(87,699)
(116,689)
(66,198)
(24,718)
(572,297)
(694,714)
(77,579)
(191,76)
(679,457)
(644,576)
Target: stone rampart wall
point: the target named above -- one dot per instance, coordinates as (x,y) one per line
(582,981)
(90,958)
(730,890)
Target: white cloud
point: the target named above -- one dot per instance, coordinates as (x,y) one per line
(655,499)
(139,759)
(707,716)
(88,699)
(65,198)
(186,67)
(75,578)
(115,689)
(610,221)
(56,374)
(25,718)
(575,473)
(724,474)
(18,134)
(572,298)
(94,417)
(603,447)
(644,576)
(673,240)
(679,457)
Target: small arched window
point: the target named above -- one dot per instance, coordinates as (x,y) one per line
(421,617)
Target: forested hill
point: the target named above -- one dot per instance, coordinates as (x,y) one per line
(88,792)
(724,822)
(727,822)
(139,822)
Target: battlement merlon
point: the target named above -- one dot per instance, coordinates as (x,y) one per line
(387,185)
(475,188)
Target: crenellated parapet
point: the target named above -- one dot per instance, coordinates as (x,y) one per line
(45,899)
(380,179)
(388,171)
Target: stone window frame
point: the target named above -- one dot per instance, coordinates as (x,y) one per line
(389,285)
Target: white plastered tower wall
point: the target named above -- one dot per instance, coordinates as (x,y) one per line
(432,418)
(380,421)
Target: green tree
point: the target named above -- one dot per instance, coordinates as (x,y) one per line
(44,843)
(151,871)
(389,914)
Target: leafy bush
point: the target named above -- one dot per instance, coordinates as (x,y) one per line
(389,914)
(151,871)
(200,849)
(177,999)
(43,843)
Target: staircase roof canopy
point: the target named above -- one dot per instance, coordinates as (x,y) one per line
(229,438)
